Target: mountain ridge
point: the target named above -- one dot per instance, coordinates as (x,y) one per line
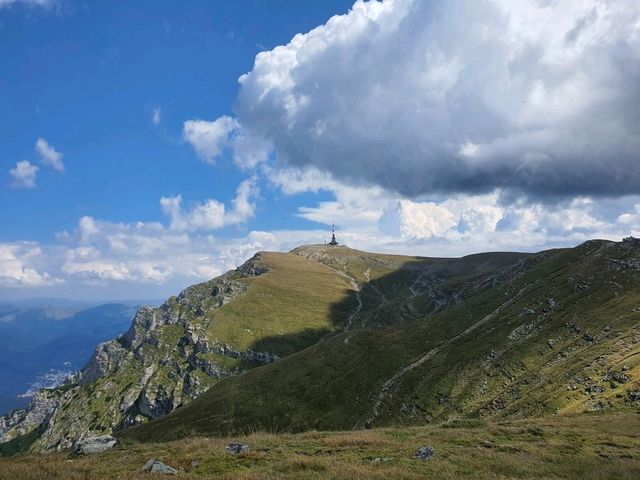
(351,339)
(512,351)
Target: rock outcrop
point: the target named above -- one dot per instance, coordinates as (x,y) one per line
(425,453)
(90,445)
(237,448)
(156,466)
(20,422)
(164,360)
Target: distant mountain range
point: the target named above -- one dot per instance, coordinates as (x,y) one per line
(42,341)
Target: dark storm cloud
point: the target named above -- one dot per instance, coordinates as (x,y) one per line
(459,96)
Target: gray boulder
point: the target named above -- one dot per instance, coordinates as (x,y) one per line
(156,466)
(237,448)
(381,460)
(425,453)
(89,445)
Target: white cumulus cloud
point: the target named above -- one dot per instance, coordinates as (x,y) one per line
(24,175)
(49,155)
(212,214)
(409,219)
(631,218)
(207,215)
(209,139)
(18,266)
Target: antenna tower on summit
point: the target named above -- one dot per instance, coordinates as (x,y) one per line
(333,235)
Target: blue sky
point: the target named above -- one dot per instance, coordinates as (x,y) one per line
(88,77)
(148,145)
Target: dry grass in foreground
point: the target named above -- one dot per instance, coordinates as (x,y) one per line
(589,447)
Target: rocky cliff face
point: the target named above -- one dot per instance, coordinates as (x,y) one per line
(163,361)
(20,422)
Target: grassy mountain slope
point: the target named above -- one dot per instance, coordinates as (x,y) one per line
(286,309)
(555,332)
(389,289)
(173,353)
(274,305)
(334,338)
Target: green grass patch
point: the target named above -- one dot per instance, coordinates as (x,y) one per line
(20,444)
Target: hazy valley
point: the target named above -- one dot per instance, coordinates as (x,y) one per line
(44,341)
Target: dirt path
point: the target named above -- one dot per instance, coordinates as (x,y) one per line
(351,281)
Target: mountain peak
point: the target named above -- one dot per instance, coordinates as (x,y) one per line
(348,338)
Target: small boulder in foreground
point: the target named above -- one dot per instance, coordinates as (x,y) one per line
(381,460)
(237,448)
(156,466)
(425,453)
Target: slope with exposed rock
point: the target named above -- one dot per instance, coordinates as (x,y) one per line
(349,339)
(555,332)
(174,353)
